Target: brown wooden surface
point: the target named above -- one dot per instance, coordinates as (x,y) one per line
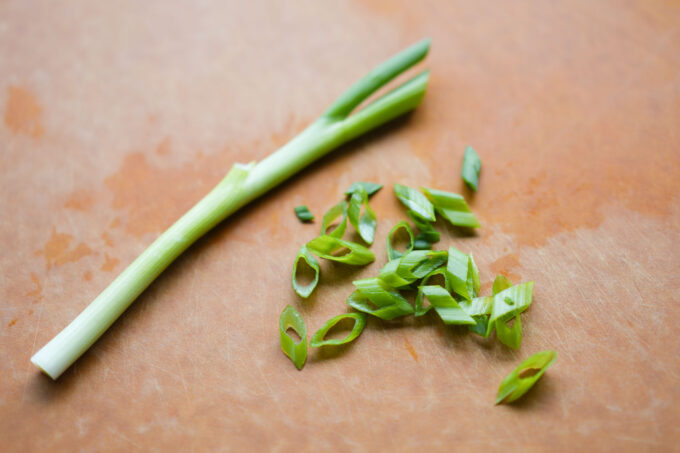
(118,116)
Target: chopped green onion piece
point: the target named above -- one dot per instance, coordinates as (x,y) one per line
(313,263)
(335,249)
(302,213)
(472,165)
(411,266)
(452,207)
(524,376)
(479,309)
(420,310)
(391,252)
(375,297)
(370,188)
(520,295)
(509,336)
(446,306)
(330,216)
(364,223)
(461,270)
(415,201)
(500,283)
(427,235)
(296,351)
(318,340)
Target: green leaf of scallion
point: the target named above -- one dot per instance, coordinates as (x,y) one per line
(446,306)
(522,378)
(295,350)
(472,165)
(318,339)
(452,207)
(415,201)
(375,297)
(365,222)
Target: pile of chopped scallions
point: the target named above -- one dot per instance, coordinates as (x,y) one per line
(445,281)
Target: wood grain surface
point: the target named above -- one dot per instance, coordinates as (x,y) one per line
(118,116)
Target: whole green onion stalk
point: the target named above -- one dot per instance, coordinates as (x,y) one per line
(242,184)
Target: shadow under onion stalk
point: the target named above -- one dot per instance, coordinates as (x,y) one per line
(242,184)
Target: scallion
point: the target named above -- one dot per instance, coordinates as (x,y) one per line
(524,376)
(472,165)
(302,213)
(242,185)
(319,338)
(295,350)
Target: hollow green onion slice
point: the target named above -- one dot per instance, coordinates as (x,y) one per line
(510,302)
(479,309)
(411,266)
(446,306)
(452,207)
(339,210)
(474,273)
(461,274)
(509,336)
(472,165)
(415,201)
(318,340)
(524,376)
(370,187)
(364,223)
(335,249)
(419,309)
(391,252)
(313,263)
(302,213)
(376,298)
(296,351)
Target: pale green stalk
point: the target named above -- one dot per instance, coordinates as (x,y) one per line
(240,186)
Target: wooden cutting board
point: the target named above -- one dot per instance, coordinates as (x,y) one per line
(118,117)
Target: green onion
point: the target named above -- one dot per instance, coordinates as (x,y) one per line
(410,267)
(364,223)
(295,350)
(524,376)
(479,309)
(335,249)
(510,302)
(242,185)
(420,310)
(302,213)
(472,165)
(339,210)
(446,306)
(427,235)
(452,207)
(318,340)
(461,274)
(391,252)
(313,263)
(415,201)
(370,188)
(509,336)
(375,297)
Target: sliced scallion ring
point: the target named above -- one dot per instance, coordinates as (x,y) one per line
(318,339)
(446,306)
(392,253)
(472,165)
(339,210)
(335,249)
(415,201)
(365,222)
(524,376)
(452,207)
(295,350)
(313,263)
